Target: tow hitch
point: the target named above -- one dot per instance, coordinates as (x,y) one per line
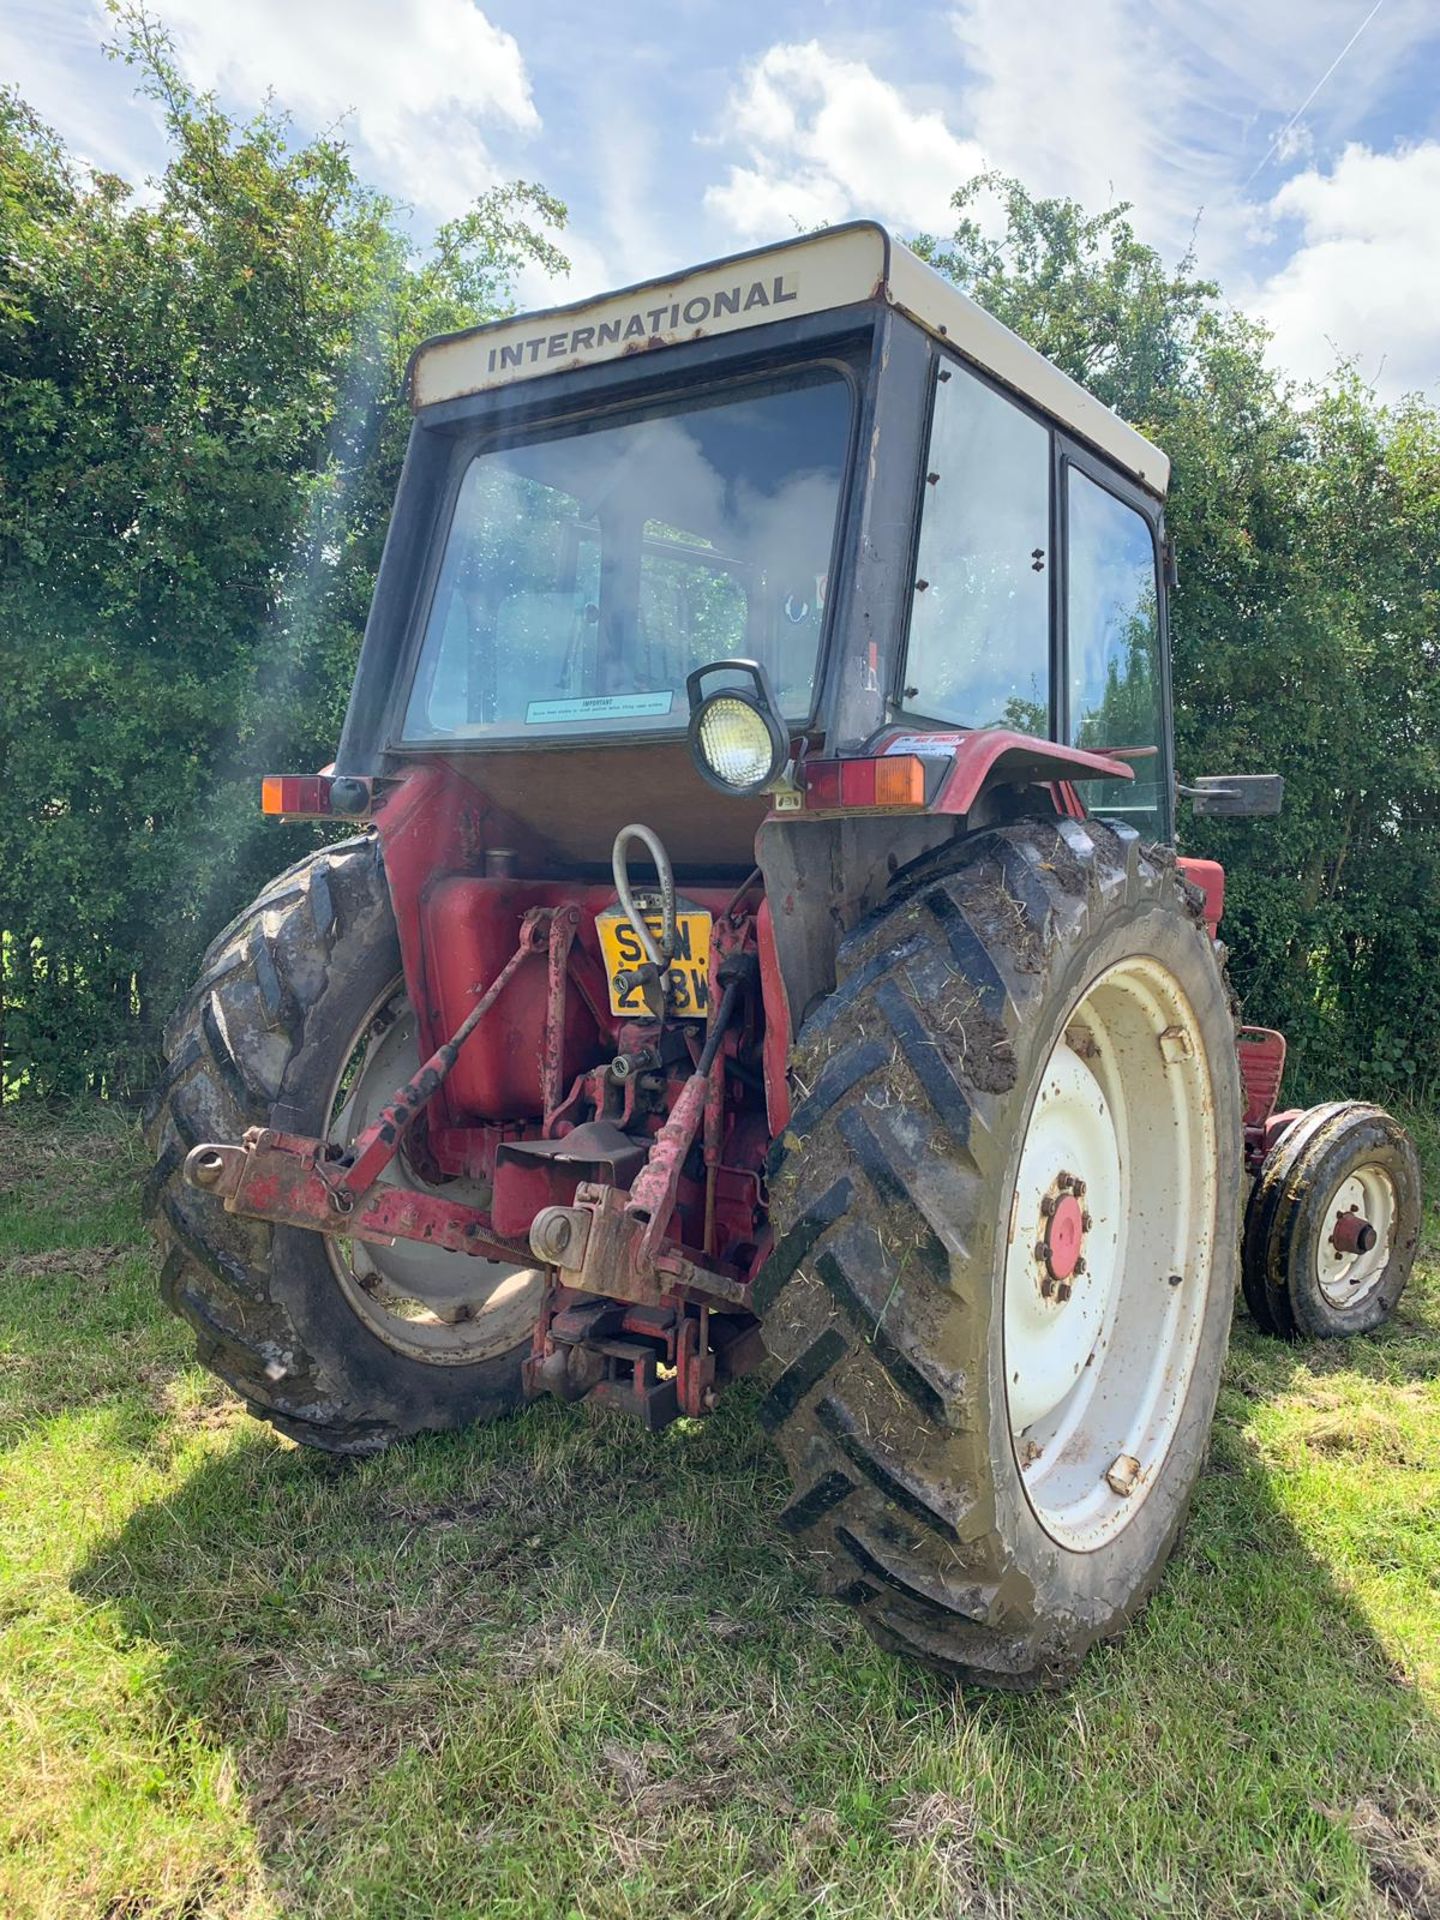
(612,1243)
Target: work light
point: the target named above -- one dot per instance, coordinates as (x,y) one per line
(738,741)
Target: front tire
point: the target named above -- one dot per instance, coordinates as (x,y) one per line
(298,1022)
(996,1390)
(1345,1158)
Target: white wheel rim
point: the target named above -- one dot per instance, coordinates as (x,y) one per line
(1347,1277)
(449,1309)
(1097,1378)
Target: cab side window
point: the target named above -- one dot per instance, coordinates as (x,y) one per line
(980,625)
(1113,634)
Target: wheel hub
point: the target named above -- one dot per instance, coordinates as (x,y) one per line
(1066,1223)
(1352,1233)
(1350,1262)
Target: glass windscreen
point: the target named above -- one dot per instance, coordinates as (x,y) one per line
(586,574)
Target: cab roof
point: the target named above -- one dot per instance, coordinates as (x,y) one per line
(840,267)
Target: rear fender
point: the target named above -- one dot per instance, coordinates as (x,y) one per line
(824,874)
(982,758)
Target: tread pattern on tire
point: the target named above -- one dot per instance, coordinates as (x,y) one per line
(882,1188)
(227,1052)
(1277,1201)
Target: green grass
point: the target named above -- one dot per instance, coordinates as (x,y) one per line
(560,1668)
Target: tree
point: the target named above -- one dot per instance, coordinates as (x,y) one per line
(1304,629)
(201,425)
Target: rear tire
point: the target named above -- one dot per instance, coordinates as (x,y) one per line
(901,1194)
(285,994)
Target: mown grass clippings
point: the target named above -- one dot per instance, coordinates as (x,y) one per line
(558,1667)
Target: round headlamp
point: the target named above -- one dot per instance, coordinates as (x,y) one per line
(738,744)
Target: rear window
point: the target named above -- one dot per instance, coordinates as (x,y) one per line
(585,574)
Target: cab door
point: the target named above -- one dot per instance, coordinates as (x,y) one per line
(1113,668)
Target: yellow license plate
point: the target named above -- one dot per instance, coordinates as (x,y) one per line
(688,985)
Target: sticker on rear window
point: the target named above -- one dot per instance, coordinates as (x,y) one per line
(609,706)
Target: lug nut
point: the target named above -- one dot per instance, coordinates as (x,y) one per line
(1048,1205)
(1086,1223)
(1077,1187)
(1064,1181)
(1080,1265)
(1123,1474)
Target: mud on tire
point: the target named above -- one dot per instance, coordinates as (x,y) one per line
(1288,1221)
(283,994)
(891,1193)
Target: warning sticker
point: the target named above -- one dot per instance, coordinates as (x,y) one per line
(608,706)
(935,745)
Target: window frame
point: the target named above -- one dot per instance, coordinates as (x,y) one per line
(901,713)
(1071,453)
(1065,452)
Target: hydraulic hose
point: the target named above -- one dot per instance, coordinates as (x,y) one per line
(659,957)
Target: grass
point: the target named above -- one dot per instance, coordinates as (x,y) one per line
(560,1668)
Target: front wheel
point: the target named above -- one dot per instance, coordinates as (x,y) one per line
(1333,1224)
(1006,1220)
(300,1021)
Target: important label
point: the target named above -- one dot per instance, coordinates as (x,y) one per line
(607,706)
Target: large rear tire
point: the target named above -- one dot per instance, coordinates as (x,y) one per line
(299,1021)
(998,1373)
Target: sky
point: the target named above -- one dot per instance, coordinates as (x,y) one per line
(1295,144)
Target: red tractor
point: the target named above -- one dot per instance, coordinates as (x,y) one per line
(761,936)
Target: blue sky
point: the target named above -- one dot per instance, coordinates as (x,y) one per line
(683,132)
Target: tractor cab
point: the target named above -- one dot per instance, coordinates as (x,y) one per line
(822,459)
(761,937)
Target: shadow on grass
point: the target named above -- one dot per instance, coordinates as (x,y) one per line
(556,1667)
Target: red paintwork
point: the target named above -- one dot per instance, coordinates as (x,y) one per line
(279,1177)
(1262,1067)
(991,756)
(377,1146)
(652,1196)
(468,927)
(538,1059)
(1352,1233)
(1209,877)
(1063,1236)
(776,1047)
(557,1008)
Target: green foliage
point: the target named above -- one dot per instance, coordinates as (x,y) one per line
(201,425)
(1306,629)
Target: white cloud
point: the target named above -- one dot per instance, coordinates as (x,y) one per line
(424,81)
(828,138)
(1364,281)
(1080,100)
(590,273)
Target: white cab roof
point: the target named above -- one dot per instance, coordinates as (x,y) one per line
(840,267)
